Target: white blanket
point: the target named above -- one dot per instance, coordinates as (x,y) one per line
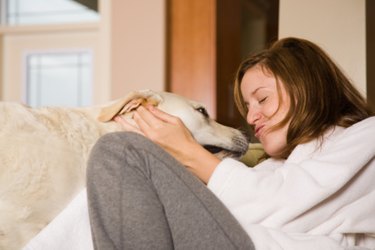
(345,162)
(69,230)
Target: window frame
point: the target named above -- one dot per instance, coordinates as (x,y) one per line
(26,77)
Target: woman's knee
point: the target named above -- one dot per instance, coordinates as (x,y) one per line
(119,138)
(105,150)
(117,141)
(119,150)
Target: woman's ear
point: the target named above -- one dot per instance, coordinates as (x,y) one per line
(129,103)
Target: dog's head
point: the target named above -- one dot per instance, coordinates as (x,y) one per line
(219,139)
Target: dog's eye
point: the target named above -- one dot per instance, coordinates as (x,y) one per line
(203,111)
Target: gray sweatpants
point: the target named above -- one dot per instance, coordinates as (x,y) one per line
(140,197)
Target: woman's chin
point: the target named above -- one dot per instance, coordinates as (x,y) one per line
(273,149)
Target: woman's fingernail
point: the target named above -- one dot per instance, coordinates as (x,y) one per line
(151,107)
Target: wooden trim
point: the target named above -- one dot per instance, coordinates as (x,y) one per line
(204,51)
(370,52)
(26,29)
(228,59)
(192,56)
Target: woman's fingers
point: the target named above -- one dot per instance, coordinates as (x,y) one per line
(146,122)
(156,125)
(152,117)
(145,118)
(126,125)
(162,115)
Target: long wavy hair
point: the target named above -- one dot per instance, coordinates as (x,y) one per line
(320,94)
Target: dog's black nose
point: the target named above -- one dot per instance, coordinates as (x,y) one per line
(213,149)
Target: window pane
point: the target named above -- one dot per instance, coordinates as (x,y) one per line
(33,88)
(59,59)
(59,79)
(48,12)
(85,89)
(58,86)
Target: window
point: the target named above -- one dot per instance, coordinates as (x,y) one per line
(57,71)
(59,78)
(21,12)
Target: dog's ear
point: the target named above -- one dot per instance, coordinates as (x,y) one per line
(129,103)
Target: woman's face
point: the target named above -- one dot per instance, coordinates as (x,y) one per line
(259,90)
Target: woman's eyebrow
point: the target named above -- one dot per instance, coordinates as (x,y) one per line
(257,89)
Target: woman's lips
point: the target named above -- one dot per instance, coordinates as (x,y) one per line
(258,131)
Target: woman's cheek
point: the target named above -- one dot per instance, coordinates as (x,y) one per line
(274,142)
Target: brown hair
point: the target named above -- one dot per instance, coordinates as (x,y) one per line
(321,96)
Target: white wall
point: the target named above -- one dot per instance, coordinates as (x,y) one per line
(338,26)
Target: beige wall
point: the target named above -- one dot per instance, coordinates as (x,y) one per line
(129,43)
(1,66)
(137,45)
(128,46)
(18,42)
(336,25)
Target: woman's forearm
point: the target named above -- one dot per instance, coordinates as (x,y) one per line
(200,162)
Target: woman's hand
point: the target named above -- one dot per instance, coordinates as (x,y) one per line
(171,134)
(166,130)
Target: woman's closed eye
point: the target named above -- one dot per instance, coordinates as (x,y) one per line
(262,100)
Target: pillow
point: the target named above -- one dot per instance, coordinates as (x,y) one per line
(253,154)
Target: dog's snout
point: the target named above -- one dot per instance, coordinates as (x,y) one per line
(241,144)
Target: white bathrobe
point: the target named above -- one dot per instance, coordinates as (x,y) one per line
(321,197)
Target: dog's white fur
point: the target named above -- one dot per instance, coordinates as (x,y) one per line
(44,152)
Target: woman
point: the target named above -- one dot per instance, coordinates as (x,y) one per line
(315,191)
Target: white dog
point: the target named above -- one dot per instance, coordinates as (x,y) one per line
(44,152)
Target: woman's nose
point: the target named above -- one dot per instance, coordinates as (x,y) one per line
(252,116)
